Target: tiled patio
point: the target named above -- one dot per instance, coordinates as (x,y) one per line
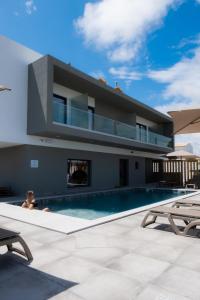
(118,260)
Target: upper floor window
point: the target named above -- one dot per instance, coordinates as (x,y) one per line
(59,109)
(90,117)
(141,131)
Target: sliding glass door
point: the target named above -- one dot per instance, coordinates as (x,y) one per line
(59,109)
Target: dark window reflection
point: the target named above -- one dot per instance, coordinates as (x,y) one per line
(78,173)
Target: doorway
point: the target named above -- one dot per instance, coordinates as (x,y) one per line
(124,172)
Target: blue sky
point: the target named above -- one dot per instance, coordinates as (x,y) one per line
(150,47)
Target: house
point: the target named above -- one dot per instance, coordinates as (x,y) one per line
(63,131)
(184,146)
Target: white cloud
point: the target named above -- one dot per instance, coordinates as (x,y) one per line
(190,138)
(182,90)
(30,6)
(97,74)
(121,26)
(182,81)
(125,73)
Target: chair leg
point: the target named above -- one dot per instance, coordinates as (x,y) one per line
(174,226)
(9,247)
(191,225)
(144,223)
(27,251)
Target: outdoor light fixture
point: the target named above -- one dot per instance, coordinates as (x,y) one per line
(4,88)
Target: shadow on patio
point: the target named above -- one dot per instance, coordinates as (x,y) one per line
(21,282)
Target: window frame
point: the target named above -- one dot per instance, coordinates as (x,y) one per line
(89,173)
(65,103)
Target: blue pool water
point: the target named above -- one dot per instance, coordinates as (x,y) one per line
(95,206)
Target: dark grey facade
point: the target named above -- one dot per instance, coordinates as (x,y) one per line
(114,123)
(108,103)
(51,175)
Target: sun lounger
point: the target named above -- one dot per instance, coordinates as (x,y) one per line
(190,217)
(186,202)
(8,238)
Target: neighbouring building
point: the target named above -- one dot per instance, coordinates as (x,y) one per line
(63,131)
(184,146)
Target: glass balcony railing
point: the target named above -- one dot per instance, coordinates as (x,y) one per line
(72,116)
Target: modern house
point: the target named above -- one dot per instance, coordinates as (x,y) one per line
(63,131)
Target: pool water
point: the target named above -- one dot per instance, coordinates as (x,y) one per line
(95,206)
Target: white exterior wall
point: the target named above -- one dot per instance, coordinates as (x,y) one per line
(14,60)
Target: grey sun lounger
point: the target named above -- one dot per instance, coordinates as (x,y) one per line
(190,217)
(187,202)
(8,238)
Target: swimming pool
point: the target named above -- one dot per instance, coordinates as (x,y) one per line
(94,206)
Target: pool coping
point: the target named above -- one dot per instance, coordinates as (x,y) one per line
(68,224)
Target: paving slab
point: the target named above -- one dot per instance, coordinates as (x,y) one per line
(66,296)
(108,285)
(190,258)
(181,280)
(101,256)
(73,268)
(45,255)
(153,292)
(141,268)
(159,251)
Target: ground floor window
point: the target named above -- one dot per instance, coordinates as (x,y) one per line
(78,173)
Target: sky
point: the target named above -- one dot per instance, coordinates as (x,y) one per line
(151,48)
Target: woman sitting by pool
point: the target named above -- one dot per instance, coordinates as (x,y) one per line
(30,202)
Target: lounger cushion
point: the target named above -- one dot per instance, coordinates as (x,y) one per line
(177,211)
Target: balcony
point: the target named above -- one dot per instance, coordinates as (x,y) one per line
(82,119)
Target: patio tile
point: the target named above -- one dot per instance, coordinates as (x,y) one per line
(100,256)
(90,240)
(130,222)
(108,285)
(124,242)
(46,255)
(109,229)
(139,267)
(66,296)
(159,251)
(180,280)
(177,241)
(146,234)
(190,258)
(68,243)
(47,236)
(32,284)
(72,268)
(153,292)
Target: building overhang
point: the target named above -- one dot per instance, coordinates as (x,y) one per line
(69,76)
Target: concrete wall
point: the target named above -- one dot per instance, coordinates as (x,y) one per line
(50,176)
